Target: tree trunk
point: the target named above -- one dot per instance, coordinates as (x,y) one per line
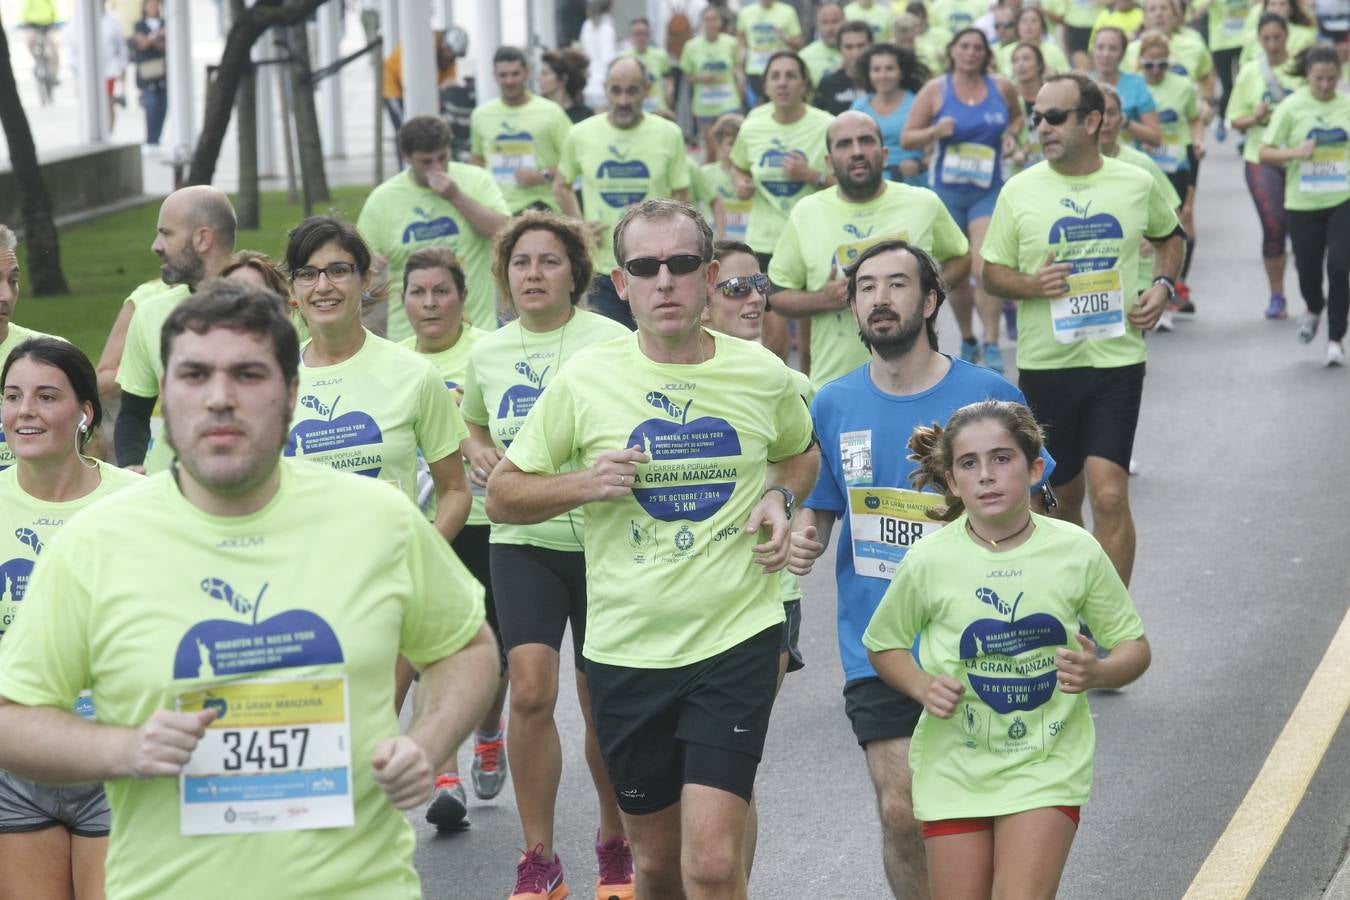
(234,64)
(308,144)
(246,208)
(35,207)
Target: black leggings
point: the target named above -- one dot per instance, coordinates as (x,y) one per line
(1313,232)
(1225,63)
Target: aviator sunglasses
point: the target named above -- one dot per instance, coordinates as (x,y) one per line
(648,266)
(741,285)
(1053,116)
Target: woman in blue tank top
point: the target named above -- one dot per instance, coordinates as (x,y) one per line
(974,118)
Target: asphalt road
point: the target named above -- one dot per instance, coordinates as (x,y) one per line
(1242,577)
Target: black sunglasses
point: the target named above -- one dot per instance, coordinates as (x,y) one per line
(1053,116)
(648,266)
(741,285)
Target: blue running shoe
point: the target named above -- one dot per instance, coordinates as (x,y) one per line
(993,358)
(1277,308)
(1221,132)
(970,350)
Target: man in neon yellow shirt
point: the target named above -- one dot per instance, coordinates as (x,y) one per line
(1064,243)
(822,55)
(518,137)
(435,201)
(245,666)
(877,15)
(708,61)
(762,29)
(194,238)
(826,232)
(622,158)
(691,448)
(11,335)
(660,75)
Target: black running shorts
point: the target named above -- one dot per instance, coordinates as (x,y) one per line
(792,632)
(704,723)
(472,548)
(878,712)
(1085,412)
(537,591)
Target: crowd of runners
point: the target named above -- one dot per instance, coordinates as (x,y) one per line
(614,382)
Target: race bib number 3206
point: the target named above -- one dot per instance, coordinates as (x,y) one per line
(277,757)
(1093,310)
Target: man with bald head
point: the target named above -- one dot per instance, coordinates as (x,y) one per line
(623,158)
(194,238)
(822,55)
(827,231)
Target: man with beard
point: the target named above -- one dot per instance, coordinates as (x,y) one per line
(623,158)
(863,422)
(194,238)
(434,202)
(243,663)
(827,231)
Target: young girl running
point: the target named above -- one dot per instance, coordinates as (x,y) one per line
(1002,755)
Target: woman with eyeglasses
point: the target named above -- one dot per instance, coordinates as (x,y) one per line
(974,118)
(1308,137)
(366,405)
(53,840)
(1187,54)
(1183,140)
(892,77)
(779,159)
(1261,86)
(542,263)
(1141,117)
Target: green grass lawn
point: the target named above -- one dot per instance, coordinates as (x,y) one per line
(104,260)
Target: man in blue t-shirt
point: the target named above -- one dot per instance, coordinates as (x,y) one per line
(864,421)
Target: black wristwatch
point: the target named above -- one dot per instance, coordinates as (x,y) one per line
(1171,286)
(789,498)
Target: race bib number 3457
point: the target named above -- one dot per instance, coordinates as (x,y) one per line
(277,757)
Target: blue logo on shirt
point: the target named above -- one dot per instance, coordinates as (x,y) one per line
(218,648)
(429,229)
(991,645)
(352,429)
(687,492)
(1086,230)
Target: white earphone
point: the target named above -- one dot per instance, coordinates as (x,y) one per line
(84,418)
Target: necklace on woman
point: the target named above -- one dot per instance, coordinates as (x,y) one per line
(1006,538)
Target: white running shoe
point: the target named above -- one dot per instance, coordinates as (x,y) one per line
(1164,321)
(1307,327)
(1335,354)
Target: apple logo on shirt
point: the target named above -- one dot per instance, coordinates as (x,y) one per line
(992,645)
(217,648)
(519,399)
(622,181)
(429,228)
(670,488)
(351,429)
(1327,135)
(772,158)
(1099,235)
(14,575)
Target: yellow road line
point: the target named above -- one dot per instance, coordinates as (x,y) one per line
(1242,850)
